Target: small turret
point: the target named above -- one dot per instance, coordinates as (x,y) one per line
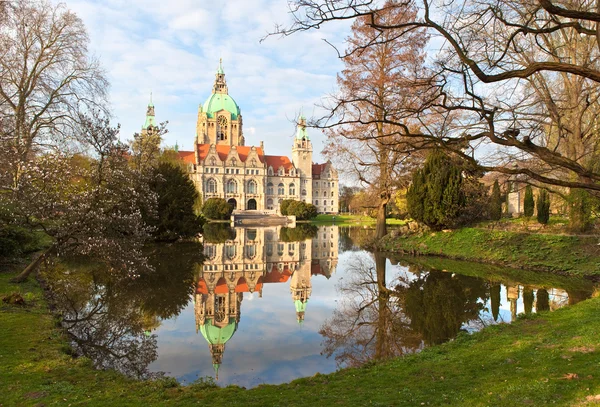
(150,119)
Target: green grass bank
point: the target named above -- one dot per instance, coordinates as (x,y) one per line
(550,359)
(353,220)
(563,254)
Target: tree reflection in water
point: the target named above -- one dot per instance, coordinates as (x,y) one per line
(369,322)
(109,317)
(439,303)
(375,320)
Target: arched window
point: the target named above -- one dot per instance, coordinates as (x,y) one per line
(292,189)
(209,251)
(231,187)
(250,251)
(211,186)
(230,251)
(281,189)
(270,189)
(270,203)
(270,170)
(332,193)
(304,192)
(252,187)
(325,193)
(331,203)
(281,171)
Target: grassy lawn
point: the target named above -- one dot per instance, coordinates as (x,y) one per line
(570,255)
(553,358)
(356,220)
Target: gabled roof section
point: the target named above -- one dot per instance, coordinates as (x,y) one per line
(187,157)
(317,169)
(277,161)
(223,151)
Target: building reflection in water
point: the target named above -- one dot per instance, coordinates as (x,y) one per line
(242,260)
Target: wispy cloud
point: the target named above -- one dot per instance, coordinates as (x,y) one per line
(172,49)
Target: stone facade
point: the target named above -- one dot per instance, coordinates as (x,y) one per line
(244,263)
(222,166)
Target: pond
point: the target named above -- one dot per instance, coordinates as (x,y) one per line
(271,304)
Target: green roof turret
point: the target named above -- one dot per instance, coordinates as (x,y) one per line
(301,133)
(150,119)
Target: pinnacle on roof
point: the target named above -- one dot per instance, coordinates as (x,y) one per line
(301,133)
(150,120)
(220,69)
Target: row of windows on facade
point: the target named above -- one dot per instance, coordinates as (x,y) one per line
(230,171)
(270,171)
(230,251)
(231,188)
(250,252)
(280,266)
(324,203)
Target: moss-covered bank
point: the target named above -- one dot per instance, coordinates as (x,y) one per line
(563,254)
(553,358)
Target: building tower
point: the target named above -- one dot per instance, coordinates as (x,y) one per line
(219,118)
(217,318)
(302,159)
(301,288)
(149,126)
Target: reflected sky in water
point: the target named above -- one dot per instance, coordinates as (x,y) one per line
(279,304)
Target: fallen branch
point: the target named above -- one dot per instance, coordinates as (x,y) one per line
(33,266)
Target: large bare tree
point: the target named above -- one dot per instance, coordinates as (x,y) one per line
(380,83)
(488,60)
(46,78)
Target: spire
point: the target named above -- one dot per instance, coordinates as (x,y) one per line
(150,120)
(220,85)
(216,368)
(301,133)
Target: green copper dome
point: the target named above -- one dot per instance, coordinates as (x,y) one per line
(221,101)
(215,335)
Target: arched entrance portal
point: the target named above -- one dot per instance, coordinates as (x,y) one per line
(233,203)
(251,204)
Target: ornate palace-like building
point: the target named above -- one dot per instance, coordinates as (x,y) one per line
(244,263)
(222,166)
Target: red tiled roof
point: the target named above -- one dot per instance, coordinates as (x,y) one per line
(202,288)
(317,169)
(274,276)
(277,161)
(223,151)
(187,157)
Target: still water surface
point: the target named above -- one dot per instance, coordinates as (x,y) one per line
(268,305)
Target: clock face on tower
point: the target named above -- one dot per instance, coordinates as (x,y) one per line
(222,121)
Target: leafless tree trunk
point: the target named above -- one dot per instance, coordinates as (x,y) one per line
(485,80)
(46,78)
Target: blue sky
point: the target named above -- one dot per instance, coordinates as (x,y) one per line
(172,49)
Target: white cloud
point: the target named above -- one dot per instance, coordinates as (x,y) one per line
(173,48)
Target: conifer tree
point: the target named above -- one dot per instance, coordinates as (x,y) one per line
(436,196)
(528,204)
(543,207)
(496,202)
